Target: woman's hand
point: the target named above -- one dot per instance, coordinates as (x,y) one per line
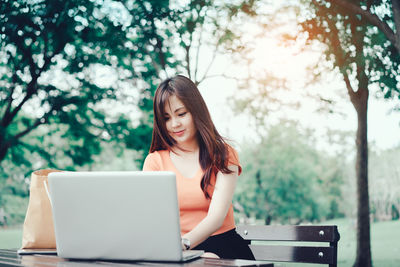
(210,255)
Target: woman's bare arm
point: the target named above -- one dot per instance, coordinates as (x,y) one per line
(219,206)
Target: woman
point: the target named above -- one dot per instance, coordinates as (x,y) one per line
(186,142)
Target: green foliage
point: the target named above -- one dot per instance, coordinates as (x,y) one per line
(356,47)
(52,51)
(15,208)
(13,197)
(10,238)
(77,79)
(48,50)
(285,179)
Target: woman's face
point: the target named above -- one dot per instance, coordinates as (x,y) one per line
(179,121)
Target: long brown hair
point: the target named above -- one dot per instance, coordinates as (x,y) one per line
(213,155)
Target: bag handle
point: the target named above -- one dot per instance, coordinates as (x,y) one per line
(47,192)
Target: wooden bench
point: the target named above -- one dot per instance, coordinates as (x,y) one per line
(325,253)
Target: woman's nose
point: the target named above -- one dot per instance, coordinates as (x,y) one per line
(175,122)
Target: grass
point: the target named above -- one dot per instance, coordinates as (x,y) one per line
(11,237)
(385,243)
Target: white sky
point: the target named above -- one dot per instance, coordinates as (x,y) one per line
(383,128)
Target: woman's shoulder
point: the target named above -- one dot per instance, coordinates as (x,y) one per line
(232,153)
(159,154)
(154,160)
(233,158)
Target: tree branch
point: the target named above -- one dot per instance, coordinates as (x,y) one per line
(153,62)
(29,93)
(396,17)
(198,52)
(336,44)
(373,19)
(32,86)
(6,144)
(369,4)
(9,100)
(11,92)
(350,90)
(360,64)
(187,49)
(38,121)
(210,64)
(158,47)
(31,90)
(159,44)
(221,75)
(199,44)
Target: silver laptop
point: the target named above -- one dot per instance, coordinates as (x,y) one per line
(117,216)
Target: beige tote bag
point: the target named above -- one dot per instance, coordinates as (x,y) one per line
(38,230)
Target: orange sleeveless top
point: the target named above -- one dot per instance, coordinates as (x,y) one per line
(193,205)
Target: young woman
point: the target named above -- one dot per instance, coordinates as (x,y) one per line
(186,142)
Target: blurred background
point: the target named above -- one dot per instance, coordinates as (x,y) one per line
(306,91)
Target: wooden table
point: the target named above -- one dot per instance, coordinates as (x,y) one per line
(11,258)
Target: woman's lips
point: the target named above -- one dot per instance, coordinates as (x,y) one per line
(180,133)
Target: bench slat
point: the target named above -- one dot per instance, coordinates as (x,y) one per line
(308,233)
(322,255)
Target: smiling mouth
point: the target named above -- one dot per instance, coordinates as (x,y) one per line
(179,133)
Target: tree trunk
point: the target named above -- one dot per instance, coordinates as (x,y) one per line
(3,149)
(363,257)
(268,220)
(395,212)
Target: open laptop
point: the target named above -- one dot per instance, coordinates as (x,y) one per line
(117,216)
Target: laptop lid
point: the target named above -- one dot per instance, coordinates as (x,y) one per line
(116,215)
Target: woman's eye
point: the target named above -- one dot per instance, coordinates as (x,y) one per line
(166,118)
(182,114)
